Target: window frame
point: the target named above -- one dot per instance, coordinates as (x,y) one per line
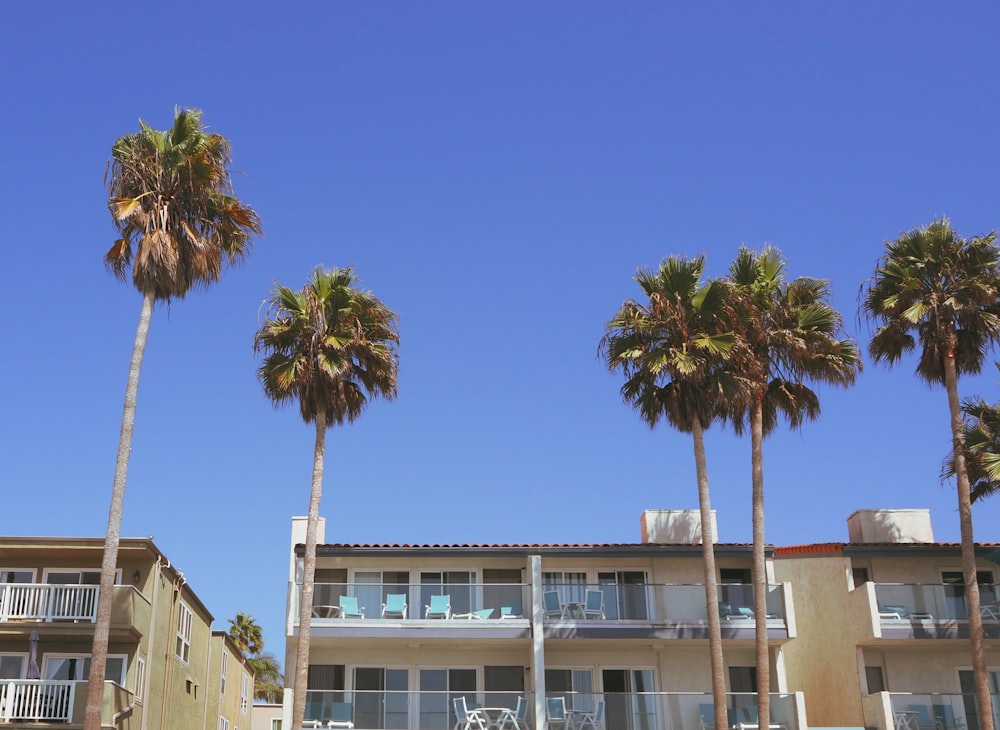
(185,623)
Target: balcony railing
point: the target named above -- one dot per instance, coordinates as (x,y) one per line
(907,711)
(657,603)
(402,602)
(923,602)
(370,710)
(36,700)
(47,602)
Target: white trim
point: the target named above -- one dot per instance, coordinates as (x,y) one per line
(182,632)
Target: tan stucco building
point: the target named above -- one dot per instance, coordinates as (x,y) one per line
(166,668)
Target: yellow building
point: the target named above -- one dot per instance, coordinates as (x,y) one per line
(166,669)
(883,628)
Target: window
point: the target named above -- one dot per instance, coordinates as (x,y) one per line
(875,679)
(184,618)
(14,575)
(140,677)
(438,690)
(569,586)
(13,666)
(223,723)
(371,588)
(276,723)
(225,665)
(624,594)
(383,700)
(457,585)
(244,693)
(76,667)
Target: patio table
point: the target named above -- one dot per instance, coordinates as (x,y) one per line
(494,715)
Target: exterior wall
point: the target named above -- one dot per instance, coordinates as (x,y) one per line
(263,715)
(903,569)
(228,702)
(822,660)
(143,626)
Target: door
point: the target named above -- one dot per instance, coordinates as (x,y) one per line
(438,690)
(629,700)
(381,698)
(624,595)
(968,687)
(456,584)
(954,591)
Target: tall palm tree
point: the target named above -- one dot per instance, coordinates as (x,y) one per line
(792,335)
(937,288)
(267,677)
(982,447)
(671,350)
(246,634)
(331,347)
(171,198)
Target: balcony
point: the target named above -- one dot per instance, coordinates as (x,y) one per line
(926,611)
(72,609)
(659,611)
(24,702)
(645,611)
(906,711)
(369,710)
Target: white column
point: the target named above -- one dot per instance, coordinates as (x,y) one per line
(538,643)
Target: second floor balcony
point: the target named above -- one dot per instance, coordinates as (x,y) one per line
(927,611)
(71,604)
(910,711)
(646,610)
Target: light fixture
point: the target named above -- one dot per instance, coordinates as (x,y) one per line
(136,576)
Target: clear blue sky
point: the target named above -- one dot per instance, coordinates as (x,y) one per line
(496,172)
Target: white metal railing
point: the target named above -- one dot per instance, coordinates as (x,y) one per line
(47,602)
(36,700)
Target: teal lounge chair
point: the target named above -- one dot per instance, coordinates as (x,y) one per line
(394,606)
(440,607)
(510,612)
(349,607)
(555,711)
(341,715)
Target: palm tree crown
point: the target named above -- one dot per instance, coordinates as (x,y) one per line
(792,335)
(246,633)
(329,346)
(934,286)
(672,349)
(171,198)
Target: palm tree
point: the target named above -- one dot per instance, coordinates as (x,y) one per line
(330,347)
(791,334)
(933,286)
(982,447)
(671,351)
(267,677)
(171,198)
(246,634)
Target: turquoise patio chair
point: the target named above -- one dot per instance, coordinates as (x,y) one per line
(593,720)
(341,715)
(516,719)
(510,612)
(349,607)
(440,607)
(394,606)
(552,605)
(944,718)
(594,605)
(555,711)
(466,719)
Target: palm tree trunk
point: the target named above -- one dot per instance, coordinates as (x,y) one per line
(983,703)
(760,565)
(109,563)
(308,577)
(711,588)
